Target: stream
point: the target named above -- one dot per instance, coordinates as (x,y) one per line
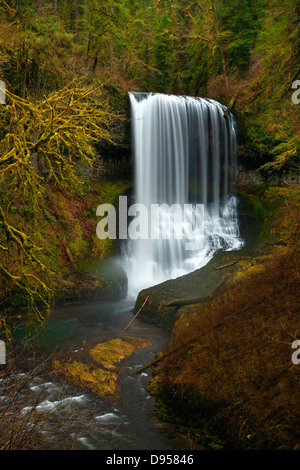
(124,423)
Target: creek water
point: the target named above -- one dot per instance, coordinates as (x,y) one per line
(123,423)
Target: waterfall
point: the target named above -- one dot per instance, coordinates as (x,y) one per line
(184,154)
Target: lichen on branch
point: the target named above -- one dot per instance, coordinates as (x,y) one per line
(43,142)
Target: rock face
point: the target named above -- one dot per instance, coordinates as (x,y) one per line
(247,176)
(192,288)
(105,282)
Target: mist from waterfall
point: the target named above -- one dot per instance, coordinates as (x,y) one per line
(184,153)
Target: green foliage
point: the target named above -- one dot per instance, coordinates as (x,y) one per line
(51,137)
(265,103)
(36,50)
(55,134)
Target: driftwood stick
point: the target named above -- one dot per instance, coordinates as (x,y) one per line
(226,265)
(125,329)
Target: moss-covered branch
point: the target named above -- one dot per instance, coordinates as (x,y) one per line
(44,141)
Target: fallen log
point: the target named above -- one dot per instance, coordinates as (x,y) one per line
(226,265)
(197,300)
(147,366)
(280,243)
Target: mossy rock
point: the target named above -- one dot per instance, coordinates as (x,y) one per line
(100,375)
(99,381)
(111,353)
(201,282)
(104,281)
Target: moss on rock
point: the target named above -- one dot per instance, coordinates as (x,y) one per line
(99,381)
(111,353)
(101,372)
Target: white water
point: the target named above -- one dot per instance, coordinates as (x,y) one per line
(184,152)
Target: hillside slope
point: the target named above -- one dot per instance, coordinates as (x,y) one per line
(227,379)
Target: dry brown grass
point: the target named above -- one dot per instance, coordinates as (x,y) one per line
(229,364)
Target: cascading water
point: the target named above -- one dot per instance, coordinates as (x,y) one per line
(184,153)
